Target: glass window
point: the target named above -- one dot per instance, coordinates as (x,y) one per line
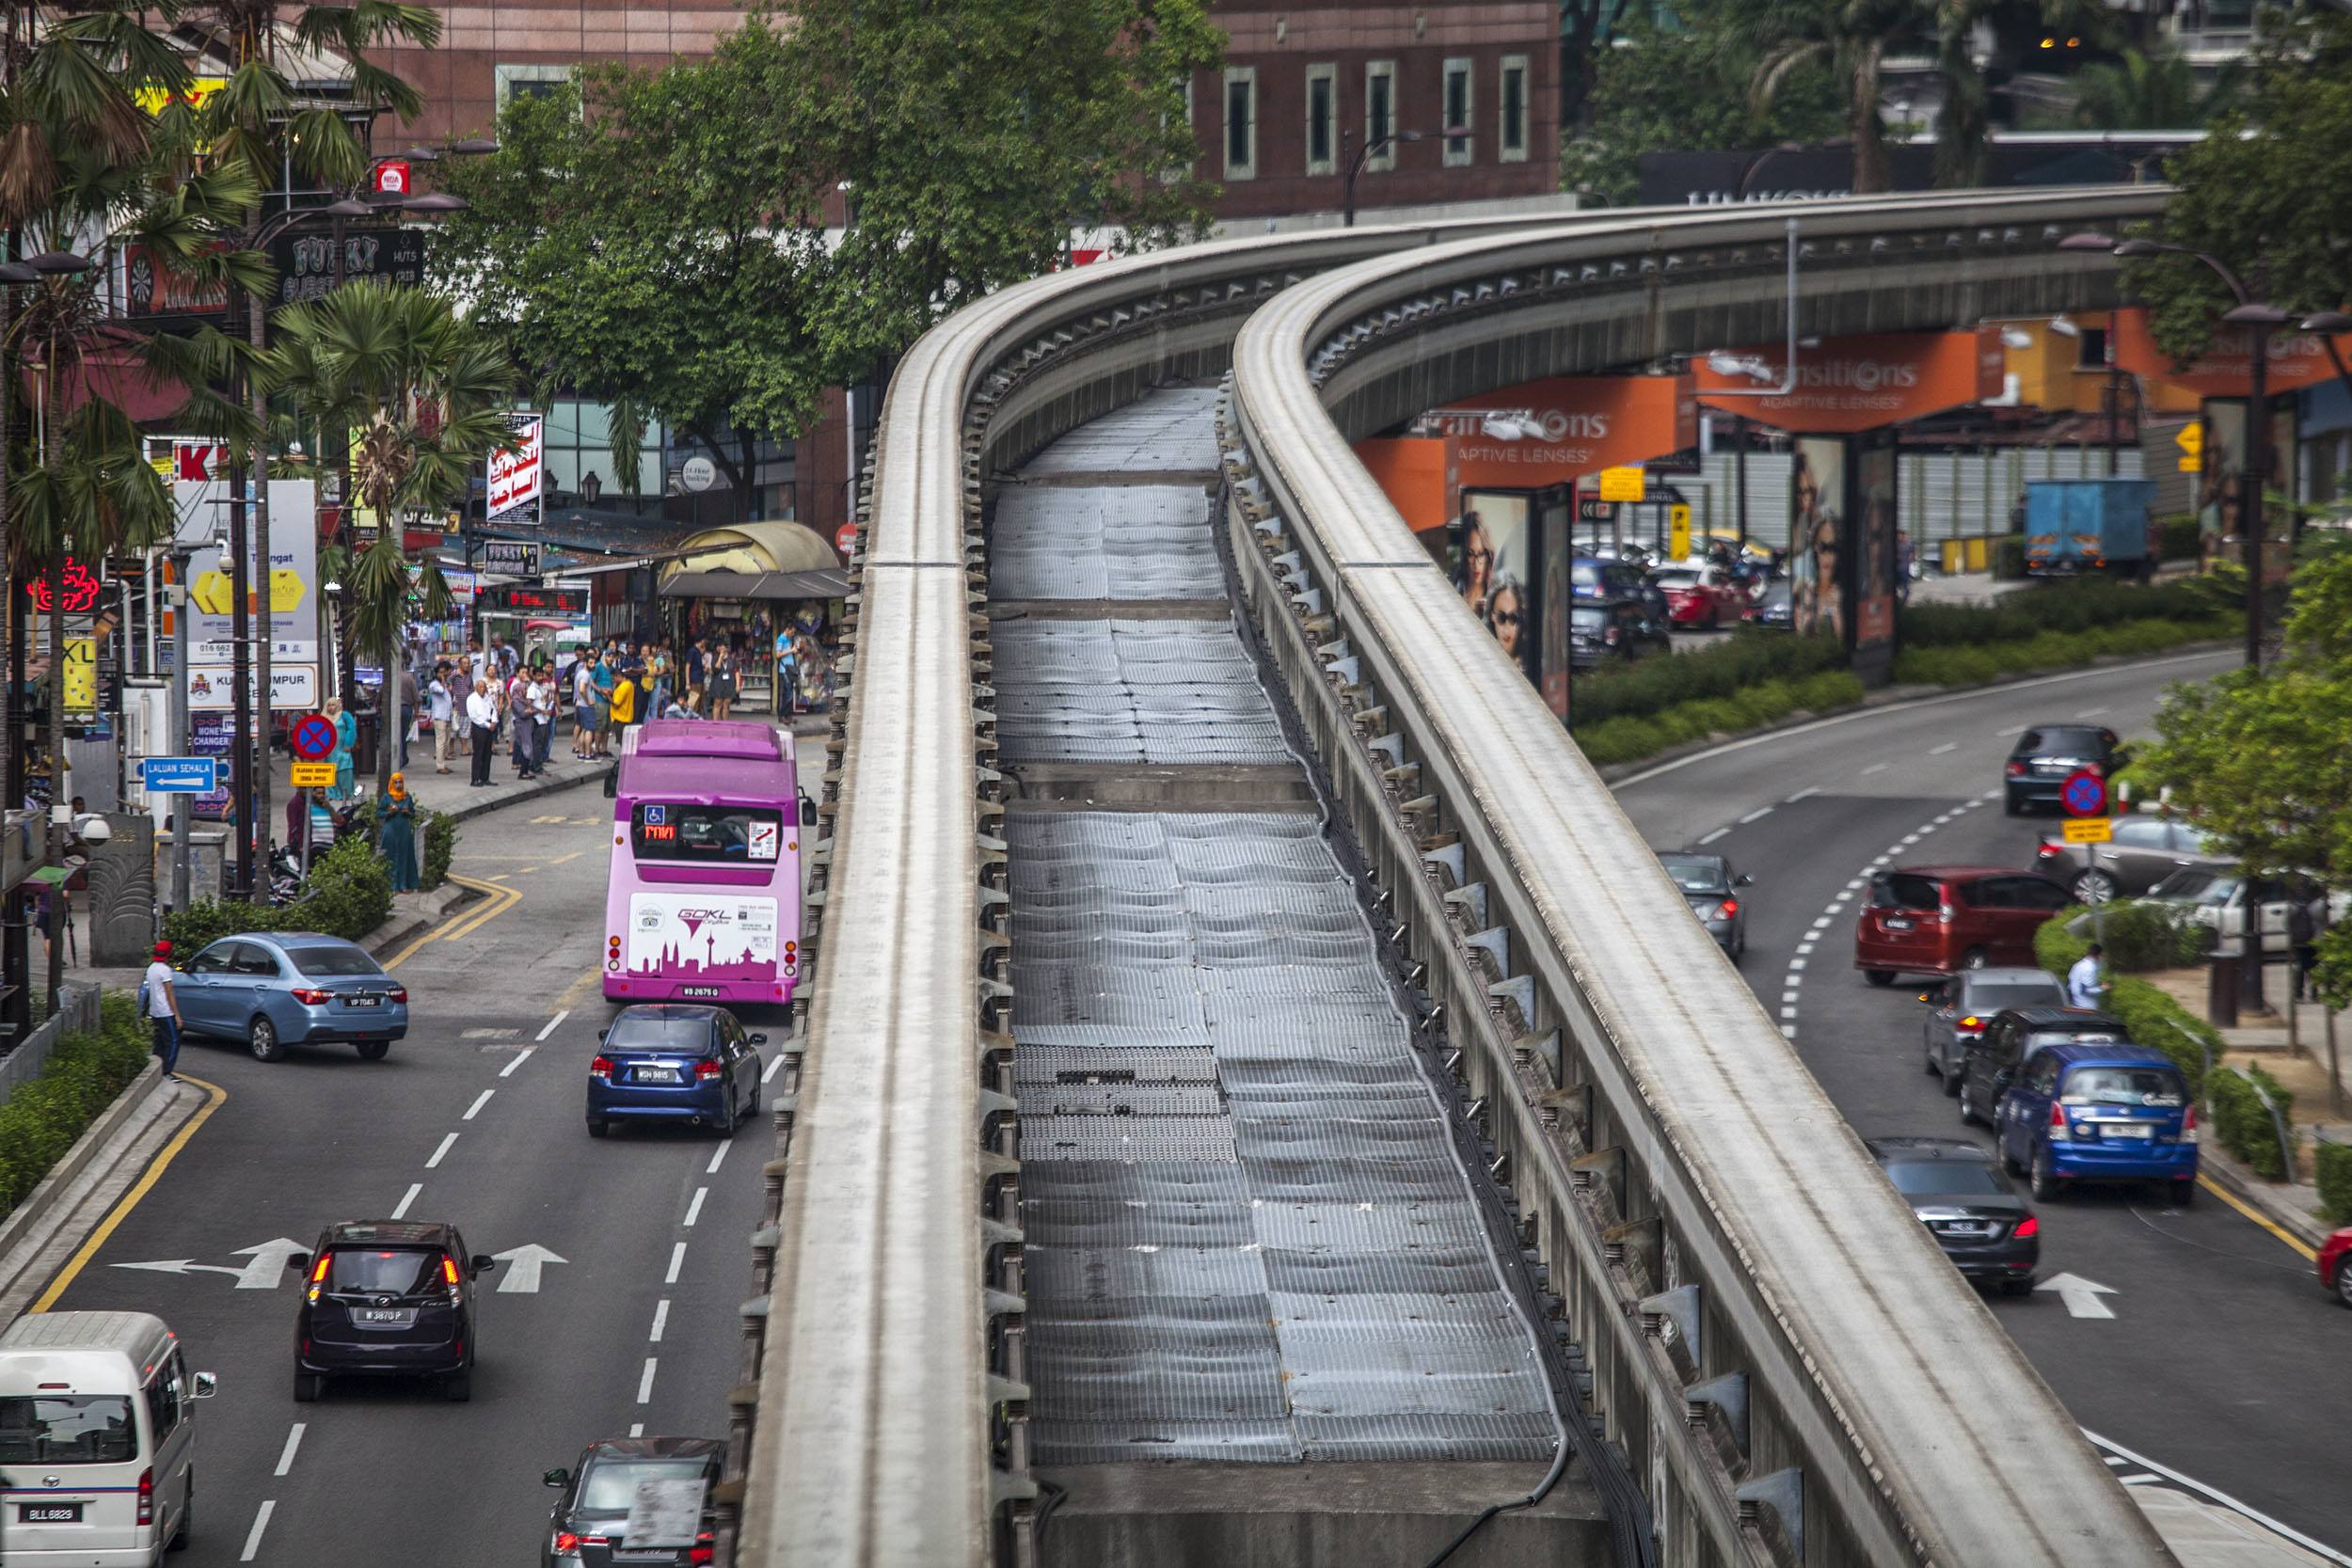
(611,1485)
(1696,873)
(745,835)
(67,1429)
(213,959)
(2032,893)
(1241,123)
(251,957)
(2125,1085)
(2142,832)
(1322,117)
(660,1032)
(322,961)
(1457,113)
(1905,890)
(163,1401)
(1993,998)
(1381,115)
(1511,136)
(396,1272)
(1944,1178)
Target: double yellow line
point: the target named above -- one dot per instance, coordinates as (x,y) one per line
(500,900)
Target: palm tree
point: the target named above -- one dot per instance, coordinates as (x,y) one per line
(426,394)
(1853,39)
(2144,92)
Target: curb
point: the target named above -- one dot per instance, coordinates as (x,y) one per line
(1890,697)
(2260,1195)
(427,913)
(531,791)
(29,1215)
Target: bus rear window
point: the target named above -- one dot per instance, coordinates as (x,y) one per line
(743,836)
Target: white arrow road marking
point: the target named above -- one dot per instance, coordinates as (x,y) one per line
(523,1264)
(2081,1295)
(269,1264)
(180,1265)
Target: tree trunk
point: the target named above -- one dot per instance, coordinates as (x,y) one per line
(1868,130)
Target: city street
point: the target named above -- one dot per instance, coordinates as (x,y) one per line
(2221,1360)
(624,1263)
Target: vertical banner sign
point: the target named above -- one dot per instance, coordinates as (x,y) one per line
(289,597)
(1873,549)
(1815,536)
(518,473)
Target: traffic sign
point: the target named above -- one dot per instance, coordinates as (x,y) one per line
(1591,510)
(2084,794)
(313,737)
(1624,483)
(2191,439)
(1677,532)
(2190,465)
(2090,830)
(179,775)
(313,775)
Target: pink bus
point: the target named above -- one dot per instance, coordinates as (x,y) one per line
(704,900)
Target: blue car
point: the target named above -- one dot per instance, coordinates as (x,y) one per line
(276,988)
(2099,1113)
(692,1066)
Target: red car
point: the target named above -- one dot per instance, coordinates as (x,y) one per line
(1942,919)
(1703,595)
(2335,1265)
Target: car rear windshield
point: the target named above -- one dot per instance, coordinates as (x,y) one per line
(67,1429)
(1992,999)
(1939,1178)
(2043,1038)
(742,836)
(1695,873)
(2124,1086)
(660,1034)
(1902,890)
(2062,739)
(321,962)
(611,1484)
(399,1270)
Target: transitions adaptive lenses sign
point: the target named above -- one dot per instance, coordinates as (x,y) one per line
(1854,384)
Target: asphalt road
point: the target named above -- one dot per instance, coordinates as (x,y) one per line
(2223,1360)
(476,1117)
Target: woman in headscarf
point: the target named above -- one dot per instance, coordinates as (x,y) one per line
(346,737)
(399,834)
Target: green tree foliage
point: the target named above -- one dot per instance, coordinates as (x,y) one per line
(2260,758)
(2148,92)
(2268,192)
(971,138)
(1656,91)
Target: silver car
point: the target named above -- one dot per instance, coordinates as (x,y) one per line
(2146,850)
(1960,1007)
(1710,884)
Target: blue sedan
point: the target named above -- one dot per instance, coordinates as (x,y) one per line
(276,988)
(687,1066)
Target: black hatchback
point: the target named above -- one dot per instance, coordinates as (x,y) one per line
(590,1527)
(387,1298)
(2046,754)
(1982,1222)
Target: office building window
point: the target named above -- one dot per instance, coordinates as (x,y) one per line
(528,81)
(1381,115)
(1241,123)
(1322,117)
(1511,133)
(1457,113)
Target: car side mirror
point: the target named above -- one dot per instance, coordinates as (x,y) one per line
(2003,1078)
(602,1034)
(808,812)
(558,1478)
(612,783)
(483,1262)
(297,1260)
(206,1385)
(1743,880)
(1927,996)
(757,1039)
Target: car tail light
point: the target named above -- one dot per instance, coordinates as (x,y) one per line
(2030,1230)
(601,1067)
(2016,769)
(2058,1123)
(309,998)
(2096,769)
(1610,636)
(1730,908)
(567,1544)
(2049,851)
(2188,1126)
(1972,1024)
(398,993)
(701,1550)
(706,1072)
(318,1269)
(147,1497)
(448,1271)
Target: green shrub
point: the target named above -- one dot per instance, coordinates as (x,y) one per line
(2008,557)
(349,895)
(1626,739)
(2137,935)
(2242,1124)
(1942,663)
(1748,658)
(2333,1165)
(73,1088)
(441,843)
(2178,537)
(2072,605)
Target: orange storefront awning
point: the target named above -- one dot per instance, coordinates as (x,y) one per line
(1857,383)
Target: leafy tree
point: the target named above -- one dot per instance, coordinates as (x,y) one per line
(1852,40)
(2267,192)
(1587,29)
(2259,759)
(1656,91)
(2148,92)
(657,251)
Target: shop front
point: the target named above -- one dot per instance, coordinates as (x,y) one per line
(771,593)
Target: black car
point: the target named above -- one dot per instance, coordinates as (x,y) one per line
(1712,887)
(1775,608)
(1983,1224)
(1598,580)
(1996,1057)
(588,1527)
(387,1298)
(1616,629)
(2045,754)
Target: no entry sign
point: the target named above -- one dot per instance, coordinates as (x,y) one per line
(2084,794)
(313,737)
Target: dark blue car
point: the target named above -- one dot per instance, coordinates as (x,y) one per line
(692,1066)
(2099,1113)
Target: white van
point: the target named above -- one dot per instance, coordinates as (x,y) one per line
(97,1440)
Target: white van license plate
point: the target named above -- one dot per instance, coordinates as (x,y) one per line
(49,1514)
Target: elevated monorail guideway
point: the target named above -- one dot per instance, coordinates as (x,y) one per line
(1022,825)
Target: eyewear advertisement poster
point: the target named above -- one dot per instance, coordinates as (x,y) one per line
(1817,518)
(1497,567)
(1873,551)
(292,591)
(2220,486)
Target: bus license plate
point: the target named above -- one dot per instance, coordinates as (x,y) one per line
(698,991)
(49,1514)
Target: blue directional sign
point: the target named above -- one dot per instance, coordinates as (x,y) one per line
(179,775)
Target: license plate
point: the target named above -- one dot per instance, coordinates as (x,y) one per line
(694,990)
(656,1075)
(363,1001)
(664,1555)
(391,1317)
(2125,1129)
(49,1514)
(1962,1228)
(1899,924)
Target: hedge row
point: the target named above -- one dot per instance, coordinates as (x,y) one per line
(2334,1163)
(2137,935)
(441,843)
(41,1120)
(2081,604)
(1630,740)
(2244,1126)
(1947,664)
(349,895)
(1747,660)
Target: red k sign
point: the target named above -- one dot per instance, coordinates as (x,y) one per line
(81,589)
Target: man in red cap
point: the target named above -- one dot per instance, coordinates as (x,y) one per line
(163,1008)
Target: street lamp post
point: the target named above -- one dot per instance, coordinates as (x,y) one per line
(1356,167)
